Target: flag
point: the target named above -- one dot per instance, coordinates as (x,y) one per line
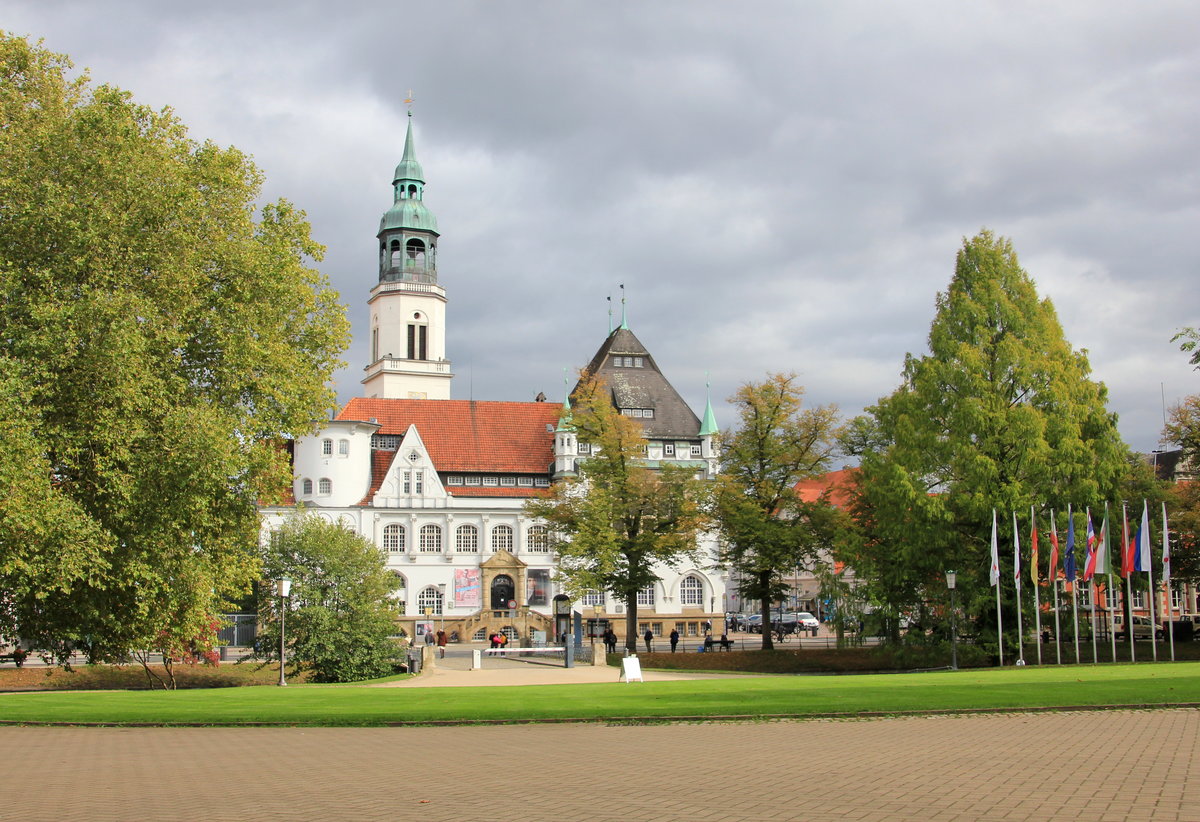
(1142,550)
(1089,561)
(1069,554)
(1033,552)
(1052,574)
(1103,564)
(1126,544)
(1016,553)
(995,553)
(1166,554)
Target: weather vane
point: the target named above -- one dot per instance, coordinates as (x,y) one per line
(408,101)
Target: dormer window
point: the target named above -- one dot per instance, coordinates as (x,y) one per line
(621,361)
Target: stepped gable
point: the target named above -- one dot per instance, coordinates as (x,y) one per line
(467,436)
(643,387)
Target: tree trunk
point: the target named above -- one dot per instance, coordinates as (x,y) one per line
(764,599)
(631,625)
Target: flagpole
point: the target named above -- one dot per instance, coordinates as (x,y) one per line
(1166,552)
(1150,578)
(1017,579)
(1054,585)
(1092,579)
(1074,580)
(999,628)
(1112,618)
(1037,608)
(1125,563)
(995,579)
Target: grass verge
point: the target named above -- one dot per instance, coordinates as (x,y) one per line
(307,705)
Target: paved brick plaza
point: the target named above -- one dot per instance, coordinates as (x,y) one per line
(1114,765)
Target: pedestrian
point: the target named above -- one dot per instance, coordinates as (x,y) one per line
(707,627)
(429,638)
(610,641)
(674,639)
(494,639)
(649,637)
(441,643)
(502,639)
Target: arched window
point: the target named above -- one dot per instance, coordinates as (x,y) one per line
(399,589)
(415,250)
(432,598)
(396,261)
(691,591)
(466,539)
(502,538)
(536,540)
(306,487)
(431,539)
(327,448)
(393,539)
(325,486)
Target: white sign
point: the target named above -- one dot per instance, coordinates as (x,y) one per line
(631,669)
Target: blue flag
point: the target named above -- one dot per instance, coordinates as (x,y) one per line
(1069,555)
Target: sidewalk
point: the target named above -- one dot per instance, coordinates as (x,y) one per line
(455,671)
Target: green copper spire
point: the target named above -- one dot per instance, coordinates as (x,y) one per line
(709,426)
(408,210)
(564,418)
(409,168)
(624,319)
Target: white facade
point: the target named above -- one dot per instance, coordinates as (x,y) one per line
(441,490)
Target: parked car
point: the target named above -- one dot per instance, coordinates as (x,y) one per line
(808,621)
(1142,628)
(753,624)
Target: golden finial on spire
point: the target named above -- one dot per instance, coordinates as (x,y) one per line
(408,101)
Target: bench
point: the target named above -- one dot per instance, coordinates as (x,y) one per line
(16,656)
(722,644)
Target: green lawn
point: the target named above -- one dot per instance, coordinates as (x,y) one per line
(1010,688)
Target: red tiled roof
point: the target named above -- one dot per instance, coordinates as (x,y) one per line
(469,436)
(839,482)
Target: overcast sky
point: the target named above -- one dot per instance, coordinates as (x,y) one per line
(781,186)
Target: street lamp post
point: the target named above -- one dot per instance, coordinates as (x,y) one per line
(951,579)
(283,587)
(442,611)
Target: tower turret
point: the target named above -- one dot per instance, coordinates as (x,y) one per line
(408,306)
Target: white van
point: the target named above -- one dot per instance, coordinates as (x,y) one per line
(1142,628)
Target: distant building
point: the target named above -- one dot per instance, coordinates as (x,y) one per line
(440,484)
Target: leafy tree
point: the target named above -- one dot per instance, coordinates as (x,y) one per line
(1189,342)
(159,337)
(1183,429)
(618,519)
(341,611)
(767,528)
(1000,414)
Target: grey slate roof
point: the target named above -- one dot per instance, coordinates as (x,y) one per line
(644,387)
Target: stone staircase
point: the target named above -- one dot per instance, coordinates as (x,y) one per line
(522,620)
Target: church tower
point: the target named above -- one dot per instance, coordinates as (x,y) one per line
(408,307)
